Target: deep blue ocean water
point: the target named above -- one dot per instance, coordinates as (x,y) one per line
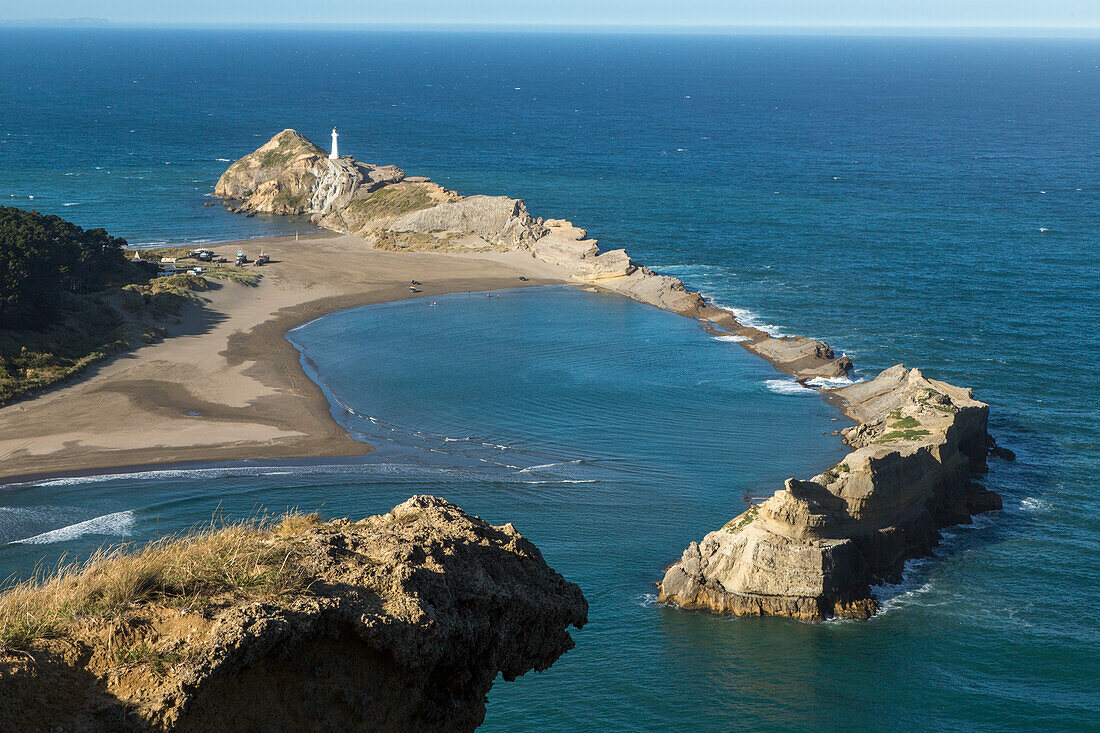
(933,202)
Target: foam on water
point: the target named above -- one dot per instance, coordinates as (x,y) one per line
(119,523)
(788,387)
(1033,504)
(732,338)
(832,382)
(751,319)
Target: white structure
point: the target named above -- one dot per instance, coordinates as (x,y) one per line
(334,154)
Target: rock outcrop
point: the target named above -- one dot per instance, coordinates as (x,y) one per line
(813,549)
(289,174)
(399,622)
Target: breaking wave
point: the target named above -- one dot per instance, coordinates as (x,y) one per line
(119,523)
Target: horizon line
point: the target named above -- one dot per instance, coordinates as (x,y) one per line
(1016,31)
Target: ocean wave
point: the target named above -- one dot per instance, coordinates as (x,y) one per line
(732,338)
(119,523)
(751,319)
(222,160)
(1032,504)
(832,382)
(647,600)
(787,386)
(549,465)
(72,203)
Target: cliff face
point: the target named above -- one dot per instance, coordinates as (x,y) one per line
(813,549)
(397,622)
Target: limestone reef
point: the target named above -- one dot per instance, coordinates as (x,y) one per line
(811,551)
(397,622)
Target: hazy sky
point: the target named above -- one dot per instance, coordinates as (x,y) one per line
(1021,14)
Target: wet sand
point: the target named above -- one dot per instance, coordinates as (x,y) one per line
(226,384)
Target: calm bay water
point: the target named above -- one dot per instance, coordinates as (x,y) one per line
(927,201)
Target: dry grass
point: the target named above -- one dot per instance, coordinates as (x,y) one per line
(392,200)
(197,569)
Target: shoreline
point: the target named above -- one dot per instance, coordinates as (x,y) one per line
(226,384)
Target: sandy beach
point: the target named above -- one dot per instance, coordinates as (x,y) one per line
(226,384)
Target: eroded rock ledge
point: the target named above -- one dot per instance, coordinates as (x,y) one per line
(398,622)
(813,549)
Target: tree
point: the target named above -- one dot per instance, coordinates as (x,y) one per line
(43,256)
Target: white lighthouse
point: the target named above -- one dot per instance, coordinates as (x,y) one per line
(335,153)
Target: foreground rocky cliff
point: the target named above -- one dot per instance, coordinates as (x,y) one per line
(813,549)
(291,175)
(399,622)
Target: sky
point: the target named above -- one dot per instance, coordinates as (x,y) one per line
(1071,15)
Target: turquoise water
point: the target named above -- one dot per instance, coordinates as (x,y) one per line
(927,201)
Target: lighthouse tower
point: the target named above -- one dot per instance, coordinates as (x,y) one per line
(334,154)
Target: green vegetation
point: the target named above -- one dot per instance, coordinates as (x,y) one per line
(742,520)
(88,301)
(295,203)
(906,422)
(238,275)
(158,662)
(834,473)
(393,200)
(894,435)
(44,256)
(55,317)
(937,401)
(208,567)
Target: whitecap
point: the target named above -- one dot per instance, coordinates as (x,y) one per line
(748,318)
(119,523)
(222,160)
(732,338)
(1032,504)
(787,386)
(549,465)
(74,203)
(832,382)
(647,600)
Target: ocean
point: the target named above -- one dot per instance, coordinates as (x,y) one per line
(927,201)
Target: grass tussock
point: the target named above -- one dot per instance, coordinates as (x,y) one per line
(195,570)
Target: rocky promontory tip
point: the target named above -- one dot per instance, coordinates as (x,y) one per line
(398,622)
(813,549)
(291,175)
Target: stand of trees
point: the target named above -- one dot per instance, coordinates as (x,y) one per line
(42,257)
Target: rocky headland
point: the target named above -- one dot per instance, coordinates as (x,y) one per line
(290,175)
(810,552)
(398,622)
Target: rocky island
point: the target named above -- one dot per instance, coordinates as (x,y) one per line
(398,622)
(811,551)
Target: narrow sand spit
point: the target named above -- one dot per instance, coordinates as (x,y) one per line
(226,384)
